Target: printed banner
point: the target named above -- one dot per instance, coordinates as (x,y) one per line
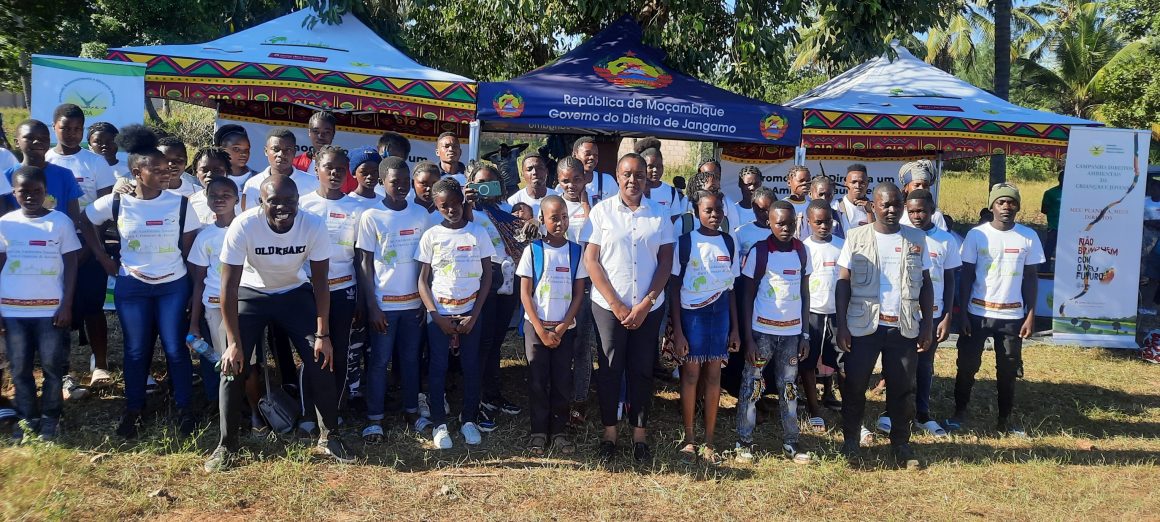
(104,90)
(1097,267)
(833,165)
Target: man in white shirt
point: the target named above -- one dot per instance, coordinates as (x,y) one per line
(280,147)
(853,209)
(600,186)
(998,294)
(535,173)
(264,282)
(884,299)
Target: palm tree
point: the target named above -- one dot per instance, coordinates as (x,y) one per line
(1082,40)
(1002,75)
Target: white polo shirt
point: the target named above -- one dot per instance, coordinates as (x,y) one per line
(629,241)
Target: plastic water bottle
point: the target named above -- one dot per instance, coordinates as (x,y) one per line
(202,348)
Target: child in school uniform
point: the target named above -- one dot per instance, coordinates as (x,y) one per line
(551,290)
(454,278)
(38,254)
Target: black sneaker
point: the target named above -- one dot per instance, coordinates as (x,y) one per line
(905,457)
(129,425)
(503,405)
(220,460)
(641,453)
(334,448)
(607,451)
(186,423)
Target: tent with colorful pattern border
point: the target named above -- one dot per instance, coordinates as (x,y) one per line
(909,106)
(343,68)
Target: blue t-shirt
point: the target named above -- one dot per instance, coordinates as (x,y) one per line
(61,187)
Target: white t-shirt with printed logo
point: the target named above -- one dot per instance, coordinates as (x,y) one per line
(669,197)
(711,270)
(341,216)
(522,196)
(553,295)
(890,256)
(577,217)
(852,216)
(150,234)
(479,217)
(456,258)
(252,191)
(601,190)
(1000,259)
(368,203)
(274,263)
(207,251)
(824,277)
(392,236)
(944,255)
(777,307)
(744,216)
(201,207)
(189,186)
(32,283)
(90,169)
(748,235)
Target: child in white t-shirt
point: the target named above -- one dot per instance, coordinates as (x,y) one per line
(454,277)
(551,290)
(824,249)
(388,276)
(776,288)
(205,270)
(38,258)
(209,163)
(704,316)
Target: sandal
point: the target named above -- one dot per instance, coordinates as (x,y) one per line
(817,424)
(536,444)
(932,427)
(561,443)
(373,434)
(576,419)
(709,455)
(688,452)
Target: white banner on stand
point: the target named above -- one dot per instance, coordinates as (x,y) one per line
(107,91)
(1097,267)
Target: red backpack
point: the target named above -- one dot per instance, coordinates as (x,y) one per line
(762,250)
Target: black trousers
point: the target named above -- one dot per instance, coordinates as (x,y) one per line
(899,363)
(494,319)
(1008,360)
(625,355)
(342,304)
(550,379)
(295,313)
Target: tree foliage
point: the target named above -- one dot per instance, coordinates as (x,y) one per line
(1130,87)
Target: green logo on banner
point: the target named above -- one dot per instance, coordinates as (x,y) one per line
(93,96)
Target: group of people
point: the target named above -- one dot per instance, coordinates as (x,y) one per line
(365,266)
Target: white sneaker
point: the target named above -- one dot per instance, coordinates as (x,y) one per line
(71,390)
(470,434)
(441,438)
(100,378)
(424,408)
(422,424)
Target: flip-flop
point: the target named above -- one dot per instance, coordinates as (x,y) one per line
(536,444)
(932,427)
(7,414)
(688,452)
(866,437)
(952,425)
(883,424)
(373,434)
(817,424)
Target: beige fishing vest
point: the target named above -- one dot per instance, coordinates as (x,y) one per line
(865,291)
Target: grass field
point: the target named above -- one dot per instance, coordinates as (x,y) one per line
(1094,417)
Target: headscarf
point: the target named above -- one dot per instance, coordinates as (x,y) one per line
(922,169)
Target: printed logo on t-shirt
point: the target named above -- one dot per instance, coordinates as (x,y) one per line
(789,272)
(280,251)
(408,232)
(464,248)
(830,263)
(337,215)
(563,269)
(1012,250)
(37,242)
(154,222)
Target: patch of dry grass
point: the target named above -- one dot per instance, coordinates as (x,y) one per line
(1094,416)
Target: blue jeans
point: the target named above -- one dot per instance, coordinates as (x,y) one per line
(146,311)
(402,337)
(782,352)
(439,346)
(28,336)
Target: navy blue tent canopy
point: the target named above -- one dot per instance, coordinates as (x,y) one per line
(614,84)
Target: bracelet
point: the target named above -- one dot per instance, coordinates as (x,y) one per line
(321,336)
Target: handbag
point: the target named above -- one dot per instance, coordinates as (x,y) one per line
(278,408)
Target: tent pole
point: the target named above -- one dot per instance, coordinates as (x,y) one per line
(473,143)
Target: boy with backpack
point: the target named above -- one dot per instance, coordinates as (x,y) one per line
(776,285)
(552,291)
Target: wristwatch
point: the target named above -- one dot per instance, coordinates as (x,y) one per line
(806,335)
(651,300)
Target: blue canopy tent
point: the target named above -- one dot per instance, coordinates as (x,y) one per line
(614,84)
